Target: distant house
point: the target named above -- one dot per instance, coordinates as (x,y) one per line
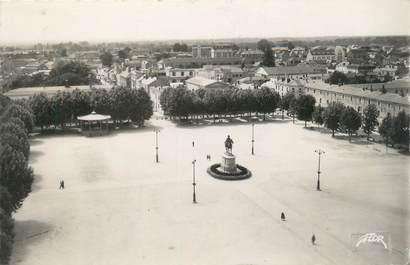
(198,82)
(198,62)
(124,79)
(321,55)
(292,72)
(218,50)
(298,51)
(224,73)
(179,74)
(252,56)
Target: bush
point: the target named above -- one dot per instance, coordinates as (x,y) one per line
(6,237)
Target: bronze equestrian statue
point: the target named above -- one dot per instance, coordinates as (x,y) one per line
(228,145)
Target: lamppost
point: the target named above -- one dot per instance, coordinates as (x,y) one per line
(319,152)
(281,103)
(193,181)
(253,139)
(156,145)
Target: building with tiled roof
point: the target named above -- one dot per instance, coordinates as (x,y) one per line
(199,62)
(292,72)
(198,82)
(350,95)
(321,55)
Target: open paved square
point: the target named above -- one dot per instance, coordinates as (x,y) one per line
(120,207)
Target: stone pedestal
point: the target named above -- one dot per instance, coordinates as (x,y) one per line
(228,163)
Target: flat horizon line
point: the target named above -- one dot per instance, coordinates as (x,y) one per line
(279,38)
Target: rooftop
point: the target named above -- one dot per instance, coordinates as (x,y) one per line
(355,91)
(26,92)
(201,81)
(298,69)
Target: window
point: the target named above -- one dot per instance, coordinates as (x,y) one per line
(182,73)
(173,73)
(191,73)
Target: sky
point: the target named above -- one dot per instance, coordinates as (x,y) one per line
(136,20)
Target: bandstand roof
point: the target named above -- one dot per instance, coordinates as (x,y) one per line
(94,117)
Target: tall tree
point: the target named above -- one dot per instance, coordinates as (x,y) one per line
(400,129)
(318,115)
(22,113)
(69,74)
(41,106)
(287,100)
(6,237)
(386,128)
(350,121)
(305,105)
(15,175)
(268,58)
(20,144)
(101,101)
(6,203)
(332,115)
(122,100)
(337,78)
(62,108)
(267,101)
(124,53)
(106,59)
(370,115)
(142,108)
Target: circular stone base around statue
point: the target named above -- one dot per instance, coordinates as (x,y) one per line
(217,171)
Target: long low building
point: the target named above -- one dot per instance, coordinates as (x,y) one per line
(292,72)
(349,95)
(198,82)
(199,62)
(27,92)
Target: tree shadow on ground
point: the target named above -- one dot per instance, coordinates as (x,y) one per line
(228,121)
(124,128)
(28,232)
(323,130)
(148,127)
(34,155)
(404,152)
(354,140)
(36,183)
(35,141)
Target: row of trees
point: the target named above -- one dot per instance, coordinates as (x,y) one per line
(181,102)
(395,130)
(340,78)
(62,109)
(16,177)
(338,117)
(63,74)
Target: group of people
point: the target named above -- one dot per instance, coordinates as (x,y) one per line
(283,218)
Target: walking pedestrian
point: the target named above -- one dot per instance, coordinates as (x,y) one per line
(62,184)
(313,239)
(282,216)
(193,144)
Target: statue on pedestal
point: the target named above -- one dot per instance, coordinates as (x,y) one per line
(228,145)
